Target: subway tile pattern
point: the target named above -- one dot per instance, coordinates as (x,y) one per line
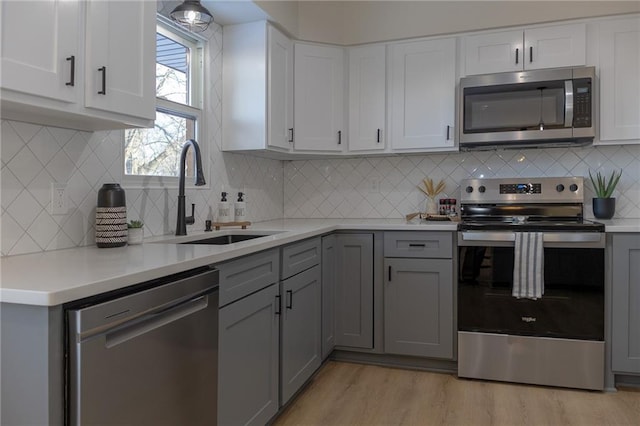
(33,156)
(385,187)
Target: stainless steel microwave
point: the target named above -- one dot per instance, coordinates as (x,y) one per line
(553,107)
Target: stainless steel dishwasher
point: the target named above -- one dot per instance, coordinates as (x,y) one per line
(146,358)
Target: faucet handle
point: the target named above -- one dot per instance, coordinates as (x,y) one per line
(190,220)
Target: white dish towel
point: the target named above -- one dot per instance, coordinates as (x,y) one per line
(528,265)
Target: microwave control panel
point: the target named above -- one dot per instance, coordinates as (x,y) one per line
(582,102)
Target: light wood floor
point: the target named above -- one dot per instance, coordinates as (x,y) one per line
(354,394)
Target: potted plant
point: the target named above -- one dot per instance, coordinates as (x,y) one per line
(604,206)
(135,231)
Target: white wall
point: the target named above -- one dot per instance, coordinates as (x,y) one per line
(355,22)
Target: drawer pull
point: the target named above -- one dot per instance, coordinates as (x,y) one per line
(417,245)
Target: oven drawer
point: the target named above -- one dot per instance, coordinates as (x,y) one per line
(418,244)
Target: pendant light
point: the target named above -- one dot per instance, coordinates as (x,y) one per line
(192,15)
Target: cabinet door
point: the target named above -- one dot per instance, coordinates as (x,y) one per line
(328,294)
(625,336)
(301,330)
(354,290)
(121,52)
(418,307)
(422,105)
(280,91)
(620,80)
(318,98)
(557,46)
(494,52)
(37,42)
(367,97)
(248,359)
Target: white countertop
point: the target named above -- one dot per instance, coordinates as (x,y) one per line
(55,277)
(621,225)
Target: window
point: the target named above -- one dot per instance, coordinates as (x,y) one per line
(154,154)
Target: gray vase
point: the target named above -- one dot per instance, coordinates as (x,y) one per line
(111,216)
(604,208)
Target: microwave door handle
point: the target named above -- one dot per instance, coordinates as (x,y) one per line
(568,103)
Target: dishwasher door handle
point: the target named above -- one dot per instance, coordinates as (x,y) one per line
(154,321)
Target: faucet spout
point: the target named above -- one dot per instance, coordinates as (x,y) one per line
(181,225)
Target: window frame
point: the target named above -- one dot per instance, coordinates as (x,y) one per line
(197,45)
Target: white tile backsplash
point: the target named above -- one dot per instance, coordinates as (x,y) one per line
(385,187)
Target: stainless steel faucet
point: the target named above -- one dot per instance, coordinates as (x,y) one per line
(181,226)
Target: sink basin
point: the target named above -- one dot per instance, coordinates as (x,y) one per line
(225,239)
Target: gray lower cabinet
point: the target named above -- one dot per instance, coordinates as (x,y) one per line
(418,307)
(328,294)
(354,290)
(249,346)
(301,330)
(625,336)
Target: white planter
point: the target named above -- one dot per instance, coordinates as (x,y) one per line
(135,236)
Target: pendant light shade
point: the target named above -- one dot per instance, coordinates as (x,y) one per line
(192,15)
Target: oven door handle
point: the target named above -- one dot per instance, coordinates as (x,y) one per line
(549,237)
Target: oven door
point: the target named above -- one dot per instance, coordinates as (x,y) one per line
(572,306)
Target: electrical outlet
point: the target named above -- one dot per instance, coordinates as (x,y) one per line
(374,185)
(59,205)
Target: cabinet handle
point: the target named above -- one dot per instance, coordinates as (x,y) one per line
(103,70)
(290,303)
(72,80)
(447,132)
(530,54)
(378,138)
(517,53)
(339,137)
(291,135)
(278,305)
(389,273)
(416,245)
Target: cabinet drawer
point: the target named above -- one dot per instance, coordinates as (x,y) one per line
(418,244)
(246,275)
(300,256)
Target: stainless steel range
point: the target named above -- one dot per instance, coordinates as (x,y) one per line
(530,283)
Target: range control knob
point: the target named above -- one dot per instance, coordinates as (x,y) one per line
(559,187)
(469,189)
(573,187)
(481,188)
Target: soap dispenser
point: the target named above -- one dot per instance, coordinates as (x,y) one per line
(224,210)
(240,208)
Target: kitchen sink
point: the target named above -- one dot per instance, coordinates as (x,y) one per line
(225,239)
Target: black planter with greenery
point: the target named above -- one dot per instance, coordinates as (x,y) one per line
(604,206)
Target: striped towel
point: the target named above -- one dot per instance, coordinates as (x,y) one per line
(528,265)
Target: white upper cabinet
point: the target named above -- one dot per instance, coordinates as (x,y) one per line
(620,80)
(56,53)
(367,98)
(121,55)
(39,46)
(319,98)
(257,94)
(280,90)
(422,88)
(533,48)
